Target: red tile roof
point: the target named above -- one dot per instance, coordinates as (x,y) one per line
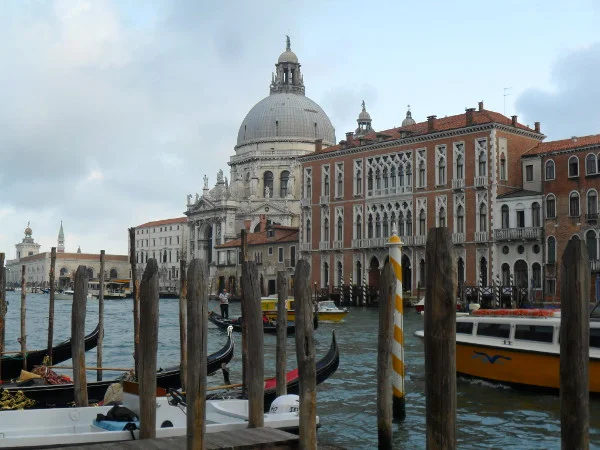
(282,234)
(157,223)
(565,144)
(440,124)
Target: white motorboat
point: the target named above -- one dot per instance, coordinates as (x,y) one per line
(38,428)
(67,294)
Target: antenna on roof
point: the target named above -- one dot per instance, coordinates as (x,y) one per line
(505,95)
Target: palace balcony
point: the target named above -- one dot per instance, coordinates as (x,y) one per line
(324,199)
(591,217)
(305,203)
(305,247)
(458,238)
(458,184)
(481,182)
(338,245)
(481,236)
(324,245)
(389,191)
(420,239)
(510,234)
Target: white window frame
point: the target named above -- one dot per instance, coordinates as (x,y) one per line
(578,203)
(569,167)
(421,158)
(339,170)
(441,154)
(481,146)
(280,254)
(546,206)
(325,174)
(458,149)
(553,170)
(358,186)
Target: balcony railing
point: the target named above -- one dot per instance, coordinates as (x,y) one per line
(481,182)
(356,243)
(338,245)
(324,199)
(591,217)
(324,245)
(458,238)
(458,183)
(305,247)
(509,234)
(481,236)
(420,239)
(389,191)
(305,203)
(290,263)
(595,265)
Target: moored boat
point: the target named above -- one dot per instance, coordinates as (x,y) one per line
(236,324)
(326,311)
(518,347)
(420,306)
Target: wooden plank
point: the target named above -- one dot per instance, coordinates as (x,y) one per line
(244,244)
(574,346)
(305,355)
(100,317)
(252,319)
(52,277)
(281,347)
(440,340)
(197,337)
(182,323)
(387,289)
(23,317)
(148,348)
(136,302)
(78,310)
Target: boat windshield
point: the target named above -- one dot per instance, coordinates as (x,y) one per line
(327,304)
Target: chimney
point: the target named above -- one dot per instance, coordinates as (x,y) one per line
(350,138)
(342,144)
(430,123)
(574,138)
(247,224)
(263,223)
(318,145)
(481,106)
(469,116)
(537,127)
(514,121)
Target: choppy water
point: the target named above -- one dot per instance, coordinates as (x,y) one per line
(489,416)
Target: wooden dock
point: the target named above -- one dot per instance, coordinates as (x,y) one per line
(249,438)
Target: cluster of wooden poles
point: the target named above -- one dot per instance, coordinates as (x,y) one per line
(440,346)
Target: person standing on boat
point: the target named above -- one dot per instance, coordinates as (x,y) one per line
(224,298)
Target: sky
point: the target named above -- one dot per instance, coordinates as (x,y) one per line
(112,111)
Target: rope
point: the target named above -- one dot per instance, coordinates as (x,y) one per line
(18,400)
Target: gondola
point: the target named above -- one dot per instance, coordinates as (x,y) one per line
(62,395)
(325,367)
(12,365)
(221,322)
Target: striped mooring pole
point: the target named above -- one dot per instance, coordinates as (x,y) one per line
(350,297)
(398,403)
(364,288)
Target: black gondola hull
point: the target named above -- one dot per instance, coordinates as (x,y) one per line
(223,323)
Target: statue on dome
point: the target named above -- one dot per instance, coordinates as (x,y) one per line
(197,198)
(189,199)
(364,108)
(288,47)
(205,182)
(220,176)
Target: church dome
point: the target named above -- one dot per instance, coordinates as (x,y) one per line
(288,56)
(28,230)
(286,116)
(408,120)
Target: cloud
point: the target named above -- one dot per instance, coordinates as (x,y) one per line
(571,107)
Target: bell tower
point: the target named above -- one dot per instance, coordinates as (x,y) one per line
(287,76)
(61,240)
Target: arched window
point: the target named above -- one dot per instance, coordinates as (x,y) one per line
(358,273)
(326,184)
(90,273)
(551,250)
(550,174)
(325,237)
(268,184)
(401,224)
(370,227)
(550,206)
(401,176)
(386,230)
(505,216)
(536,274)
(482,164)
(591,242)
(483,271)
(422,174)
(340,229)
(422,223)
(113,273)
(460,219)
(590,164)
(460,271)
(482,217)
(393,177)
(573,166)
(378,226)
(64,271)
(505,274)
(422,272)
(592,204)
(460,168)
(325,274)
(358,227)
(503,167)
(377,179)
(370,180)
(358,182)
(442,171)
(308,231)
(535,214)
(574,204)
(409,229)
(309,187)
(340,273)
(386,182)
(442,217)
(164,259)
(340,184)
(283,183)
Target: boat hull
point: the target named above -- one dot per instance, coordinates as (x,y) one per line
(514,366)
(323,316)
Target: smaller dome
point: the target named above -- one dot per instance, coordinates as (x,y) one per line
(364,115)
(288,57)
(408,120)
(28,231)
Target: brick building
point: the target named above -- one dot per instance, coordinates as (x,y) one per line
(442,172)
(569,174)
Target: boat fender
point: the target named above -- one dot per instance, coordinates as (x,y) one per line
(285,404)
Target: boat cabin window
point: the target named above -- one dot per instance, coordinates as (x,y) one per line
(464,327)
(537,333)
(595,337)
(292,305)
(500,330)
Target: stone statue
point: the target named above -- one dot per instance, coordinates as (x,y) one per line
(363,106)
(197,198)
(189,199)
(205,182)
(220,176)
(288,46)
(290,185)
(226,183)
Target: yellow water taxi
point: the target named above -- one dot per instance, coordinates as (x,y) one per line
(517,347)
(327,310)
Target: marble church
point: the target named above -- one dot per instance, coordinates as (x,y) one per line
(264,186)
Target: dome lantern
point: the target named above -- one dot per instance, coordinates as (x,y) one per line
(364,122)
(287,77)
(408,120)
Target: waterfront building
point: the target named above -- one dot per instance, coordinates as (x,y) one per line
(448,171)
(37,265)
(164,240)
(265,177)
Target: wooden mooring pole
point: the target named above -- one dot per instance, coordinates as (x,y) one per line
(281,347)
(440,340)
(183,358)
(197,336)
(78,310)
(23,338)
(574,346)
(148,349)
(305,355)
(244,244)
(51,277)
(100,317)
(252,319)
(2,307)
(387,287)
(136,302)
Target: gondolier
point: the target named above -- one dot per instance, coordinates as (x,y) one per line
(224,298)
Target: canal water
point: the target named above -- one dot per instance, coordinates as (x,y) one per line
(489,416)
